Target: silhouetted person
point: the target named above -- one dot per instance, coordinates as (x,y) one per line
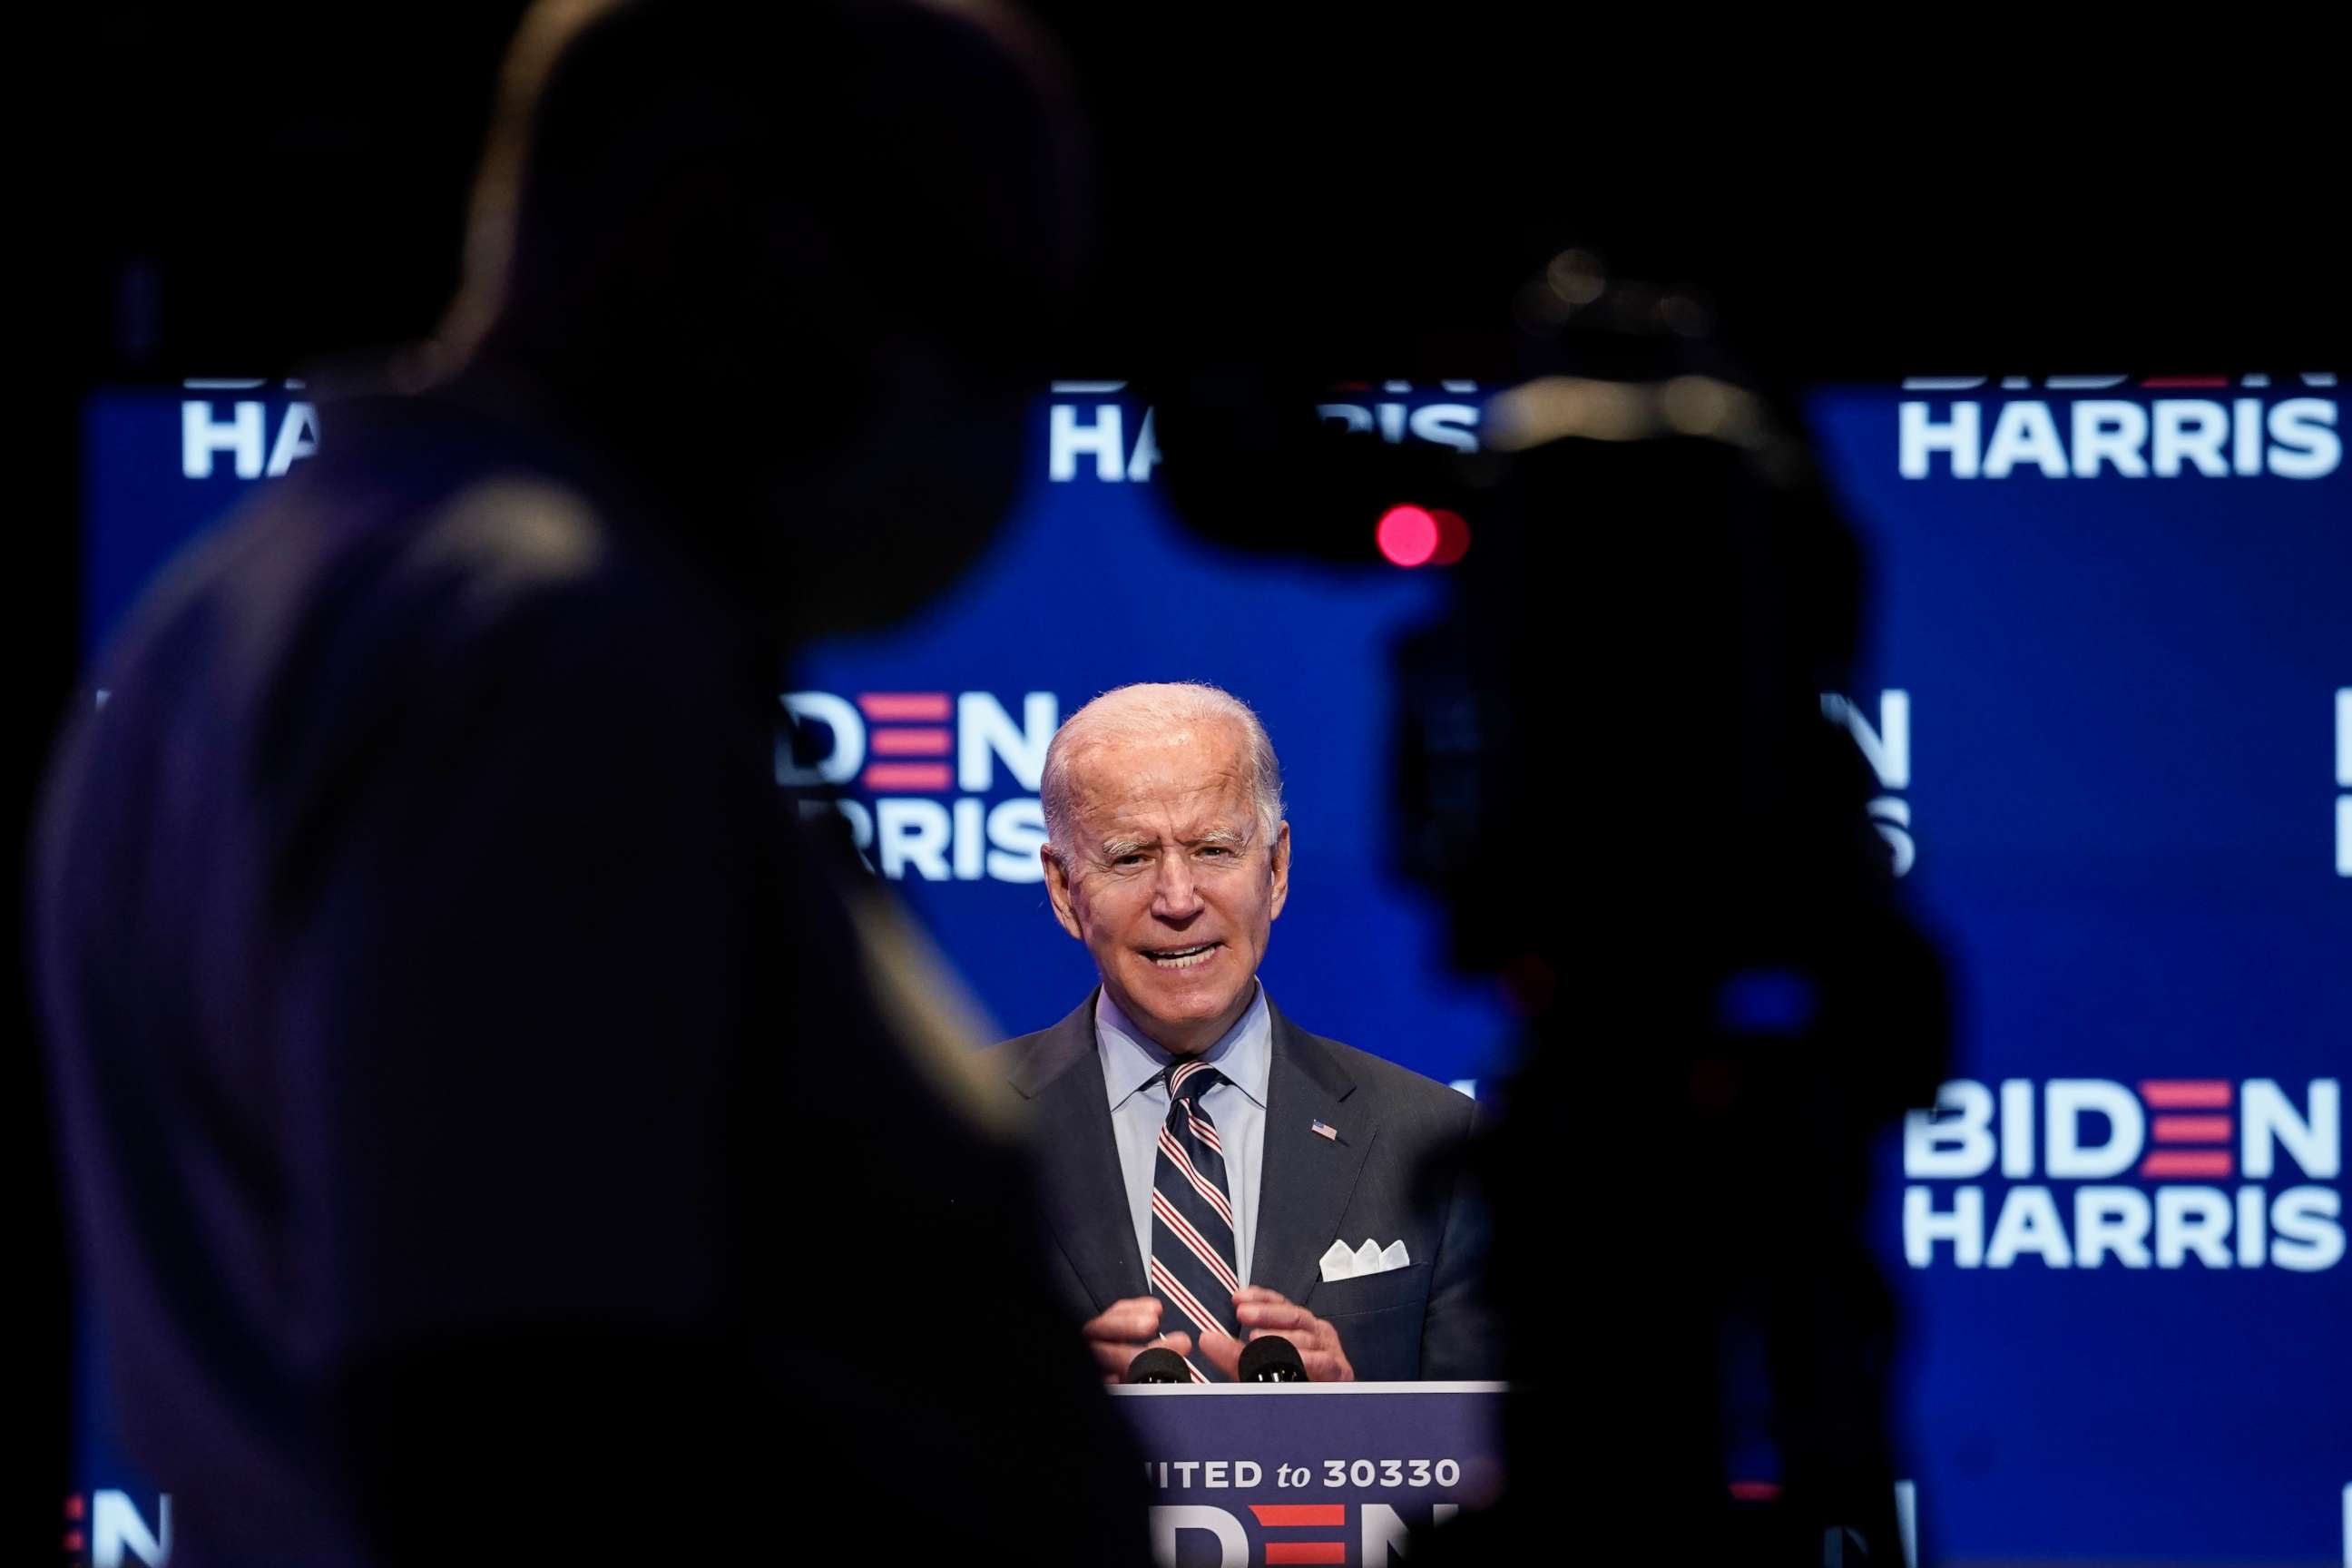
(487,1115)
(1724,1001)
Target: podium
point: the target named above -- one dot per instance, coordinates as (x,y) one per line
(1249,1474)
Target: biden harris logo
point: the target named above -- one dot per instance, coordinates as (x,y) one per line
(2079,1173)
(1885,745)
(938,786)
(105,1529)
(2162,427)
(258,433)
(1271,1534)
(1094,432)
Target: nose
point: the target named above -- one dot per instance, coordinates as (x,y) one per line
(1174,897)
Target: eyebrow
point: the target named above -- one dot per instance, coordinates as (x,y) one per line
(1113,849)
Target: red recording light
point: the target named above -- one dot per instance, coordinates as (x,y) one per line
(1407,535)
(1453,538)
(1417,536)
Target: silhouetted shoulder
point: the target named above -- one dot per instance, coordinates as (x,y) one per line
(510,535)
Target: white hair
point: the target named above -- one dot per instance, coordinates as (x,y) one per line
(1146,711)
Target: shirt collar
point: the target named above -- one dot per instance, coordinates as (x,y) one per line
(1131,1059)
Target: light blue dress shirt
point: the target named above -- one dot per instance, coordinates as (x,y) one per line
(1138,1108)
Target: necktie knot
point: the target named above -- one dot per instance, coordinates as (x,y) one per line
(1188,1081)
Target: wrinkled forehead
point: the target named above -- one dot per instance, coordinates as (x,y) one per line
(1192,778)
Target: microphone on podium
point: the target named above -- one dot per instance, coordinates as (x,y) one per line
(1158,1364)
(1271,1359)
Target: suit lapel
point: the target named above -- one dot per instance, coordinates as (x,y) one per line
(1307,1179)
(1077,1158)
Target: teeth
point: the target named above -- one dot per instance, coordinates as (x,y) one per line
(1184,958)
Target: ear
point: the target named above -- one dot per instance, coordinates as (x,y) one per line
(1281,860)
(1057,887)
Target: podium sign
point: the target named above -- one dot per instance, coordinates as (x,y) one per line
(1249,1475)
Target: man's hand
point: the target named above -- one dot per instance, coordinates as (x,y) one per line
(1126,1329)
(1261,1312)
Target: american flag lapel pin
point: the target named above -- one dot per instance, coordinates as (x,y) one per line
(1323,1130)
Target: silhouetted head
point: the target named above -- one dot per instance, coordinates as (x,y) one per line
(791,268)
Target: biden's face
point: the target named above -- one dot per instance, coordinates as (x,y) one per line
(1170,879)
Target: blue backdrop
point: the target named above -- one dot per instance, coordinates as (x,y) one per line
(2108,694)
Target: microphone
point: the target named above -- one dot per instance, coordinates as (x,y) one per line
(1272,1359)
(1159,1364)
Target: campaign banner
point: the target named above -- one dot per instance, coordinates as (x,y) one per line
(2106,693)
(1257,1475)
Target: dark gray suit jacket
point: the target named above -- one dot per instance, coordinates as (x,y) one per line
(1394,1172)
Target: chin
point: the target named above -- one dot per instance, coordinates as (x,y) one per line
(1187,1005)
(1189,1012)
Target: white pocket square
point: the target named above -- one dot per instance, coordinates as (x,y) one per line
(1341,1261)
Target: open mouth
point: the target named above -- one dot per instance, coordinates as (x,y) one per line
(1182,957)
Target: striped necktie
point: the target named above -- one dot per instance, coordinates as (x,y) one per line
(1192,1252)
